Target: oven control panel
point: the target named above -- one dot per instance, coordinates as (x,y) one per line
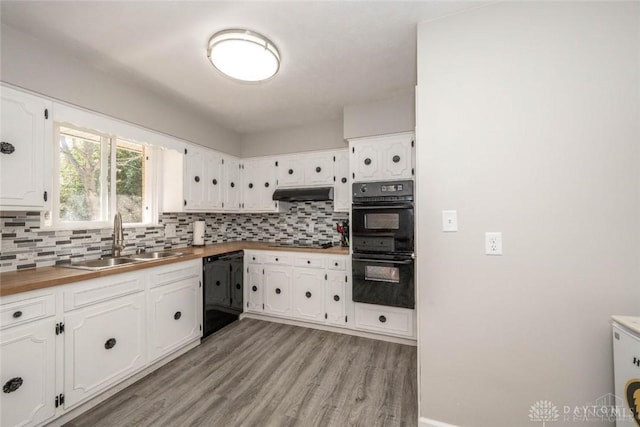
(380,191)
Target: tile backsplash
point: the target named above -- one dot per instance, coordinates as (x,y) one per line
(24,245)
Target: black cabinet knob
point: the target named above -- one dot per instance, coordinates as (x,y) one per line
(6,148)
(233,185)
(253,258)
(217,282)
(307,294)
(343,180)
(290,171)
(12,385)
(318,169)
(336,264)
(215,181)
(396,159)
(367,161)
(197,178)
(111,342)
(276,259)
(278,291)
(382,319)
(336,298)
(254,288)
(238,286)
(178,315)
(17,314)
(266,184)
(308,261)
(250,185)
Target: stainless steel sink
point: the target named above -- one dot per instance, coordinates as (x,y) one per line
(147,256)
(101,264)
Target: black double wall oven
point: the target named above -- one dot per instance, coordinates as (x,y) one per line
(383,243)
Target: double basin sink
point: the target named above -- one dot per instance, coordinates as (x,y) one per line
(105,263)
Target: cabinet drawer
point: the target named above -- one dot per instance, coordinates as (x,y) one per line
(309,262)
(174,272)
(253,258)
(336,264)
(19,312)
(386,320)
(103,289)
(276,259)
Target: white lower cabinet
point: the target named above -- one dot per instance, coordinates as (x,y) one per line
(27,373)
(308,293)
(253,287)
(386,320)
(335,297)
(277,290)
(103,344)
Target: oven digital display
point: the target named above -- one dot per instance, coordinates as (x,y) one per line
(391,188)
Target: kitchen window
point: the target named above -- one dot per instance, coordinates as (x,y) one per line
(97,175)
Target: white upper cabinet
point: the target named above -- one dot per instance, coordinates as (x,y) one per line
(342,187)
(26,135)
(203,179)
(259,183)
(306,169)
(232,184)
(380,158)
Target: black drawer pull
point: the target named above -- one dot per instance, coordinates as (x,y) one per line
(17,314)
(238,286)
(253,258)
(396,159)
(215,181)
(308,261)
(254,288)
(307,294)
(197,178)
(290,171)
(250,185)
(336,298)
(367,161)
(12,385)
(266,184)
(6,148)
(233,185)
(336,264)
(276,259)
(177,316)
(318,169)
(111,342)
(382,319)
(217,282)
(278,291)
(344,180)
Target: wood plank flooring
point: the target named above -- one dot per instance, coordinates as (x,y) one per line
(256,373)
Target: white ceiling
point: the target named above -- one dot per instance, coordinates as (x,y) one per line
(334,53)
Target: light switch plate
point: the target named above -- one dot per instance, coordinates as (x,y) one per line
(449,220)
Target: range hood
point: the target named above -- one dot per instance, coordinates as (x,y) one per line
(309,194)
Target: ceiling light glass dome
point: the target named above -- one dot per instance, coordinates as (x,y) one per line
(244,55)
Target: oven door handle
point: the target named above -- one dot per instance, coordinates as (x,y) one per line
(396,206)
(383,261)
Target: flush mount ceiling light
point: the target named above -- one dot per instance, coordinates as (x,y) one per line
(244,55)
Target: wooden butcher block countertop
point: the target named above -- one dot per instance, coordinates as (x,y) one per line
(14,282)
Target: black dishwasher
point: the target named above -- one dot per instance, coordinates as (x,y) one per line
(222,290)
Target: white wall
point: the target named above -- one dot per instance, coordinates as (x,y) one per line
(317,136)
(528,124)
(395,114)
(35,65)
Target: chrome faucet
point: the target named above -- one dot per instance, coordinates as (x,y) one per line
(118,236)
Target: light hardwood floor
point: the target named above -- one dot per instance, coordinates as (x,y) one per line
(255,373)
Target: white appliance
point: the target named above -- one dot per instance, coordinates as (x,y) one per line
(626,363)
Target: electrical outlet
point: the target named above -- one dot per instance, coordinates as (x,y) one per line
(449,220)
(493,243)
(310,227)
(170,230)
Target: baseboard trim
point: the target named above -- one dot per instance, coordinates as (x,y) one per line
(427,422)
(328,328)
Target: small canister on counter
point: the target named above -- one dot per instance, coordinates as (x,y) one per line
(198,233)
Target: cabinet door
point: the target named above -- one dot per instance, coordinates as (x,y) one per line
(28,366)
(342,188)
(103,344)
(365,161)
(318,169)
(277,290)
(258,184)
(307,295)
(235,283)
(397,157)
(253,286)
(335,297)
(233,184)
(26,136)
(291,171)
(213,184)
(195,179)
(173,318)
